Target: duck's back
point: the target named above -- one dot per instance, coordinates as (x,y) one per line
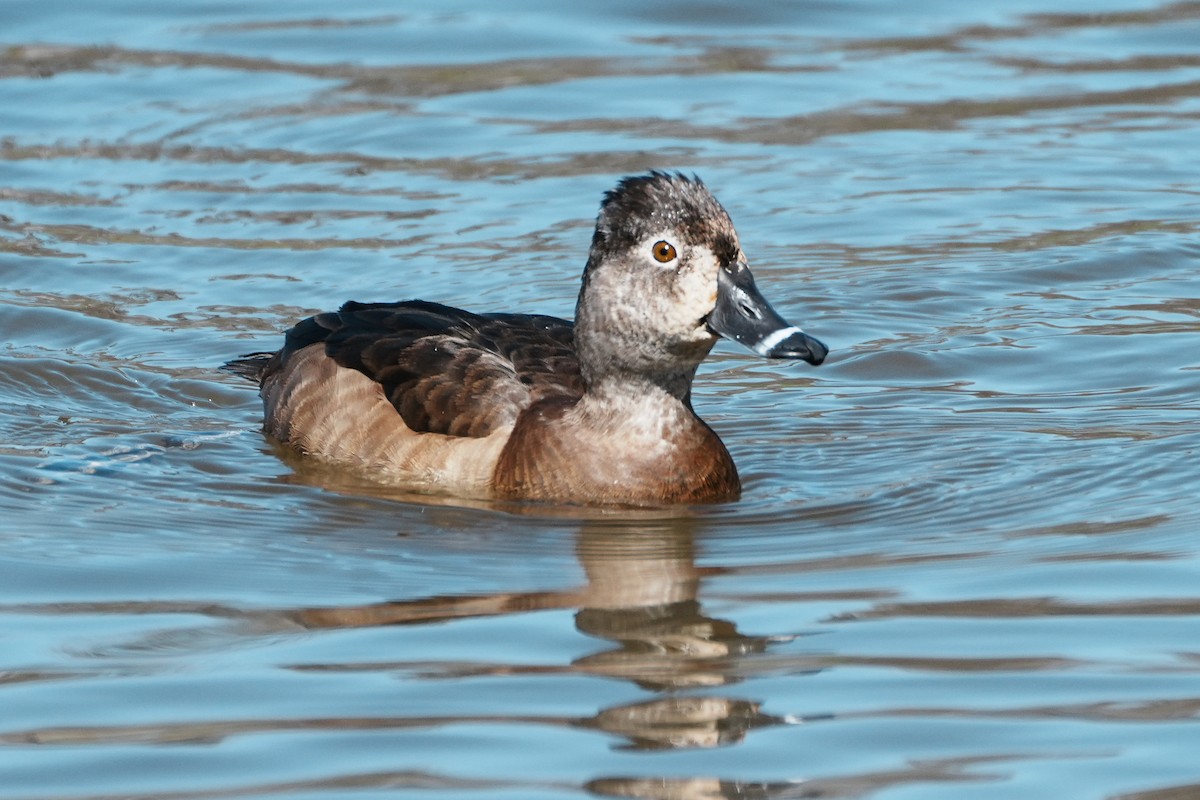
(425,392)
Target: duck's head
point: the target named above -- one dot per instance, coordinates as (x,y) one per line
(666,276)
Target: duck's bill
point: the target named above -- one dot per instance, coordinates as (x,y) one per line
(744,315)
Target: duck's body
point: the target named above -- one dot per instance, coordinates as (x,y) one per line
(530,407)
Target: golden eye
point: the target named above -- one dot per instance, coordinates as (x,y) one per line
(664,252)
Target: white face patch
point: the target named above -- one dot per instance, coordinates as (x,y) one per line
(767,344)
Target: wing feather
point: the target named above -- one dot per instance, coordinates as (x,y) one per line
(446,370)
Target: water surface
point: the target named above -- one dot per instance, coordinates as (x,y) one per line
(966,559)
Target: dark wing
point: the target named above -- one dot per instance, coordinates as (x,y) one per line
(447,370)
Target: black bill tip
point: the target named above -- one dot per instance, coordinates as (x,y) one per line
(791,342)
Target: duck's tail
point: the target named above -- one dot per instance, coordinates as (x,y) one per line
(251,366)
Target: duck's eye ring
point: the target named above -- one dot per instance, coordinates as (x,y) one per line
(664,252)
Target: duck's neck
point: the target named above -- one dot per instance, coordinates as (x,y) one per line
(622,352)
(624,390)
(619,365)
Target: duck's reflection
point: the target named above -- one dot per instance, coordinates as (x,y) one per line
(641,596)
(641,593)
(641,601)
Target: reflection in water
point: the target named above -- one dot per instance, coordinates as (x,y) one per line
(642,596)
(940,771)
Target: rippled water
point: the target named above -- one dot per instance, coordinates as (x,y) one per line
(966,562)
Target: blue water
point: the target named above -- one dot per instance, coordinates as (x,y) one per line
(966,560)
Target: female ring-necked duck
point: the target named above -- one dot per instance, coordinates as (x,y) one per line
(529,407)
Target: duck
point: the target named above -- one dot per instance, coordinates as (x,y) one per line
(525,407)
